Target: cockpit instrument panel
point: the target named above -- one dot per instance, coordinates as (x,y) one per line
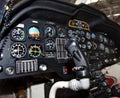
(34,43)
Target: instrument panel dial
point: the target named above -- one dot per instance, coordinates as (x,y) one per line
(62,32)
(18,50)
(34,32)
(35,51)
(50,31)
(50,45)
(18,34)
(72,33)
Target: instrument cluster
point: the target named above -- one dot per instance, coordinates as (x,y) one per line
(35,41)
(36,46)
(48,40)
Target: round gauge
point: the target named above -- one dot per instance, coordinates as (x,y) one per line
(111,43)
(61,32)
(93,35)
(18,34)
(101,38)
(106,40)
(107,51)
(78,32)
(35,51)
(72,33)
(50,45)
(50,31)
(82,33)
(18,50)
(34,32)
(102,46)
(89,45)
(83,46)
(88,35)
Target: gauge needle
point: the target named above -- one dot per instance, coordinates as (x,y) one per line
(15,50)
(18,49)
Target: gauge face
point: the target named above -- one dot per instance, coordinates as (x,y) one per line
(111,43)
(72,33)
(82,33)
(89,45)
(88,35)
(50,45)
(18,34)
(62,32)
(18,50)
(106,40)
(35,51)
(107,51)
(102,46)
(101,38)
(50,31)
(34,32)
(93,35)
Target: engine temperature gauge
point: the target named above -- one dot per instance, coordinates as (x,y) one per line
(35,51)
(18,50)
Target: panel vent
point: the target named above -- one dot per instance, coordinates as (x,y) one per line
(26,66)
(60,49)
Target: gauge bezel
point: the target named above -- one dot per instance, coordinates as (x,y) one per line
(25,50)
(40,50)
(31,37)
(50,50)
(53,28)
(15,39)
(62,32)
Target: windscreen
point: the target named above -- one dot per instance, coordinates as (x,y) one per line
(2,8)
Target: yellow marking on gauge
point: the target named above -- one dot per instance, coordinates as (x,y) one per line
(35,51)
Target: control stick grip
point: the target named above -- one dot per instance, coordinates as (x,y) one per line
(81,66)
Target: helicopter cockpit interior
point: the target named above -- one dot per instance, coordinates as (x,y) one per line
(54,49)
